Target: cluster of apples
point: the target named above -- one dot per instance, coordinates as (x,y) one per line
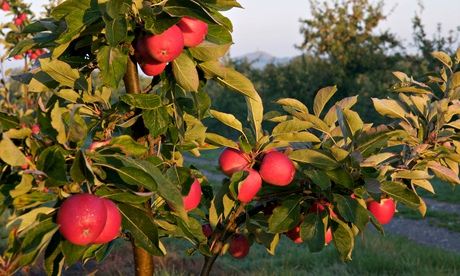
(317,207)
(275,169)
(32,54)
(88,219)
(20,19)
(154,52)
(238,246)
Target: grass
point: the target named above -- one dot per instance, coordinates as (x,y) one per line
(373,255)
(444,192)
(450,221)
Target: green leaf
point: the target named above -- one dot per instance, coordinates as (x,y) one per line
(157,120)
(8,121)
(52,162)
(315,158)
(142,227)
(377,159)
(11,154)
(303,136)
(143,101)
(390,108)
(185,73)
(291,126)
(128,146)
(319,177)
(116,30)
(209,51)
(72,252)
(227,119)
(35,241)
(285,216)
(57,123)
(341,176)
(444,173)
(322,97)
(331,116)
(219,35)
(411,174)
(112,62)
(344,240)
(222,5)
(293,103)
(442,57)
(216,139)
(135,176)
(60,72)
(400,192)
(312,232)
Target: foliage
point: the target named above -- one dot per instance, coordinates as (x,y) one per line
(130,147)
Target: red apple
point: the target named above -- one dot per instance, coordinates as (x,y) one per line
(35,129)
(5,6)
(17,21)
(277,169)
(25,166)
(22,16)
(154,68)
(249,187)
(328,237)
(239,246)
(166,46)
(294,234)
(82,218)
(232,160)
(194,31)
(17,57)
(382,211)
(112,225)
(207,230)
(193,198)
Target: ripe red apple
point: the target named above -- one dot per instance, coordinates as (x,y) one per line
(382,211)
(248,189)
(25,166)
(154,68)
(232,160)
(82,218)
(239,246)
(35,129)
(277,169)
(17,57)
(17,21)
(22,16)
(194,31)
(294,234)
(207,230)
(5,6)
(112,225)
(166,46)
(193,198)
(328,237)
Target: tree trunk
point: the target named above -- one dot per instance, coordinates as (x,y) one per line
(143,261)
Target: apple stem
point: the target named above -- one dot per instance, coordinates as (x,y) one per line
(143,261)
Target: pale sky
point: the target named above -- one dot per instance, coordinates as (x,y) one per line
(272,26)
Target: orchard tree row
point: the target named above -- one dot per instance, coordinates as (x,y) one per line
(83,165)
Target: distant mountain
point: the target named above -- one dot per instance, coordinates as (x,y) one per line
(260,59)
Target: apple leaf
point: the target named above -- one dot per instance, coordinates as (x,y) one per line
(285,217)
(315,158)
(400,192)
(112,62)
(312,232)
(143,101)
(322,97)
(185,73)
(142,227)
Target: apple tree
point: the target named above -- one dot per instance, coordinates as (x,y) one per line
(105,159)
